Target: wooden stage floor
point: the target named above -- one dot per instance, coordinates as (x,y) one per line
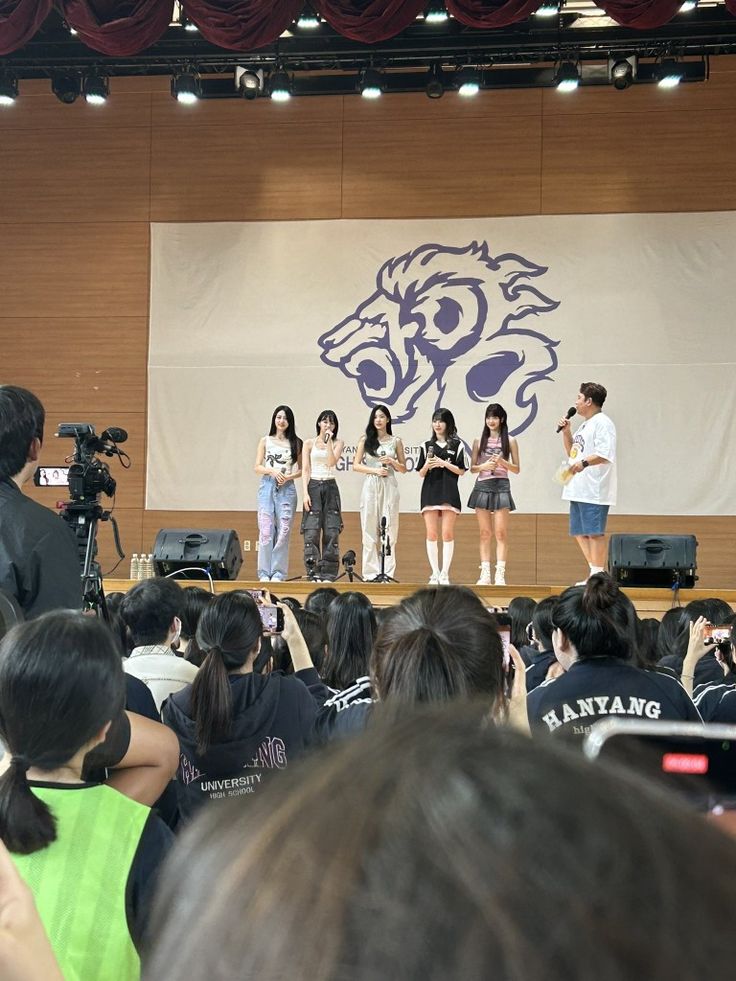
(648,602)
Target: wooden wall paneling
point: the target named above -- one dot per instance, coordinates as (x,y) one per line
(87,174)
(87,366)
(639,162)
(129,525)
(74,269)
(237,160)
(413,157)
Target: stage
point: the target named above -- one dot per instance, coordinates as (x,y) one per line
(648,602)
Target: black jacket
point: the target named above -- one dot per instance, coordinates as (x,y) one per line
(39,562)
(537,668)
(273,715)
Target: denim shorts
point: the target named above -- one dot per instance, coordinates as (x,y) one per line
(588,519)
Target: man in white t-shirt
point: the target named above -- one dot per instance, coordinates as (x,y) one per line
(591,453)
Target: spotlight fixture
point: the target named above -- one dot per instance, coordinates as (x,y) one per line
(248,83)
(96,89)
(567,77)
(185,87)
(621,72)
(280,86)
(8,90)
(435,87)
(370,84)
(308,19)
(468,81)
(189,25)
(547,9)
(668,73)
(688,6)
(436,13)
(66,88)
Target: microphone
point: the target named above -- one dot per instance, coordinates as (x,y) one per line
(114,435)
(383,523)
(349,558)
(568,415)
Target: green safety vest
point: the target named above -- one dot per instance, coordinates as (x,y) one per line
(79,880)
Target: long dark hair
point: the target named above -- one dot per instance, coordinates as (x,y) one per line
(351,627)
(444,415)
(61,681)
(294,441)
(331,416)
(498,412)
(371,433)
(598,618)
(437,645)
(228,630)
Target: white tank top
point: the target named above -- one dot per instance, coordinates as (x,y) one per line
(278,455)
(318,461)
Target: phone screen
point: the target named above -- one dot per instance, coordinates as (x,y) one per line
(504,632)
(272,618)
(51,477)
(717,635)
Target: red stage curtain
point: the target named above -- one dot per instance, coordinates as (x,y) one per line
(242,25)
(731,6)
(19,21)
(491,13)
(118,28)
(369,21)
(641,14)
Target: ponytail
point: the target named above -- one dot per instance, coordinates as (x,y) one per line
(212,701)
(26,823)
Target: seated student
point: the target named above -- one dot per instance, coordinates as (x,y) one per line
(351,628)
(313,630)
(195,601)
(716,612)
(543,658)
(151,612)
(235,725)
(444,849)
(521,611)
(435,646)
(715,700)
(319,599)
(594,640)
(88,853)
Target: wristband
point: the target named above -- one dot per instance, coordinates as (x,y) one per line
(585,463)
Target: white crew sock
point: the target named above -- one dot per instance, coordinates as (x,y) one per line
(433,556)
(447,549)
(595,568)
(500,567)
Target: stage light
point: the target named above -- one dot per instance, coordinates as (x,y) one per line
(185,87)
(8,90)
(66,88)
(567,77)
(435,87)
(688,6)
(190,26)
(280,86)
(468,81)
(248,83)
(622,74)
(436,13)
(370,84)
(668,73)
(96,89)
(308,19)
(547,9)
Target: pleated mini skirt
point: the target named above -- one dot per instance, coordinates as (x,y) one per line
(492,495)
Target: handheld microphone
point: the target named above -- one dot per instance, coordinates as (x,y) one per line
(383,523)
(568,415)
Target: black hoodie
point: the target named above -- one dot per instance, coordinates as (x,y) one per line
(273,715)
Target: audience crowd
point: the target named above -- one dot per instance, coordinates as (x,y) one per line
(358,796)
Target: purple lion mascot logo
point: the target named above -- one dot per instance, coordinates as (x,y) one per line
(440,308)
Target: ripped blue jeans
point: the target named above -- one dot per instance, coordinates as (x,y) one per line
(276,507)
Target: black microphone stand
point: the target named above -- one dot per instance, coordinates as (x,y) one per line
(385,550)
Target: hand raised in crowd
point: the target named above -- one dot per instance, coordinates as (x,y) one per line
(696,649)
(518,718)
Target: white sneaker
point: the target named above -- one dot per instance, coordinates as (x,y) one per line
(444,579)
(264,579)
(434,579)
(485,575)
(500,579)
(582,582)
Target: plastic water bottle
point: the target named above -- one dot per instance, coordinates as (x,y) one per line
(135,566)
(148,573)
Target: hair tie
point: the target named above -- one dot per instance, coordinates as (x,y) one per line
(20,763)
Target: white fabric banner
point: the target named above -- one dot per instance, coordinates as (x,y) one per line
(454,312)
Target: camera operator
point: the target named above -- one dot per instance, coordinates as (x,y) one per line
(39,561)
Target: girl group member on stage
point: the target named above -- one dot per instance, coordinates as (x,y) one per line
(495,456)
(279,462)
(380,455)
(441,462)
(322,518)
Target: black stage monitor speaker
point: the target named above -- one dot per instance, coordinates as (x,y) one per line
(667,561)
(214,551)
